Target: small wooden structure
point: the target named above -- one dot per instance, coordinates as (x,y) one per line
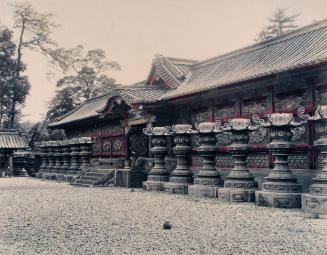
(10,141)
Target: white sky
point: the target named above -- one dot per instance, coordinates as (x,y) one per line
(133,31)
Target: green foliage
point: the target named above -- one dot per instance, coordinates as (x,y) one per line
(279,23)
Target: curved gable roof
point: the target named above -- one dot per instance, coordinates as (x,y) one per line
(172,70)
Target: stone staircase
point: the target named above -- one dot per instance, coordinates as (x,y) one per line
(102,173)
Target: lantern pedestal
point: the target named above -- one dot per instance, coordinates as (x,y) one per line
(181,177)
(281,188)
(316,201)
(158,175)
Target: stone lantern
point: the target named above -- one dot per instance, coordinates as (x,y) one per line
(239,185)
(58,157)
(159,174)
(65,157)
(181,177)
(51,158)
(280,188)
(44,158)
(74,156)
(85,153)
(316,201)
(208,178)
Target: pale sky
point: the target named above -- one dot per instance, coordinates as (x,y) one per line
(133,31)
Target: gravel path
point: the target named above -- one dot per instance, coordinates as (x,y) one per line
(44,217)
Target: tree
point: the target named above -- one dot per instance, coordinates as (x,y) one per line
(62,103)
(12,87)
(34,31)
(279,23)
(86,78)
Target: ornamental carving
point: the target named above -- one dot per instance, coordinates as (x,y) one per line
(290,102)
(255,107)
(116,145)
(224,139)
(259,136)
(106,145)
(225,112)
(198,117)
(96,146)
(139,144)
(298,133)
(195,142)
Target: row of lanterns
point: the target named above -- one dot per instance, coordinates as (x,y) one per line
(280,188)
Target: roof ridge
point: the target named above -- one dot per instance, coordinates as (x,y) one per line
(261,44)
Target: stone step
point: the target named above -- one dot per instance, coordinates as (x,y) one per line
(94,174)
(102,170)
(81,181)
(79,184)
(90,178)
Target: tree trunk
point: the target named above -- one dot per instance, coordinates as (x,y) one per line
(17,74)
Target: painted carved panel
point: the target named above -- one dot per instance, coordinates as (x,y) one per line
(200,116)
(252,107)
(225,112)
(96,149)
(287,103)
(106,145)
(116,144)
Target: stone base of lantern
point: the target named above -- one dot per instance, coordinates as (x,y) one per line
(154,185)
(203,191)
(279,200)
(314,204)
(236,195)
(176,188)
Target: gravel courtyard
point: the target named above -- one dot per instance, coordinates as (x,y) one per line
(44,217)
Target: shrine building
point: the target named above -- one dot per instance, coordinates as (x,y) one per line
(281,75)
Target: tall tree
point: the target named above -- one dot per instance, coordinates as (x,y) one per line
(34,31)
(85,77)
(11,85)
(279,23)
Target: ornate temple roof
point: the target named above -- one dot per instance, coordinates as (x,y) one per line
(94,107)
(172,71)
(299,48)
(173,77)
(12,139)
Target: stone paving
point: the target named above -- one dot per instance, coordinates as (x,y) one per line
(44,217)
